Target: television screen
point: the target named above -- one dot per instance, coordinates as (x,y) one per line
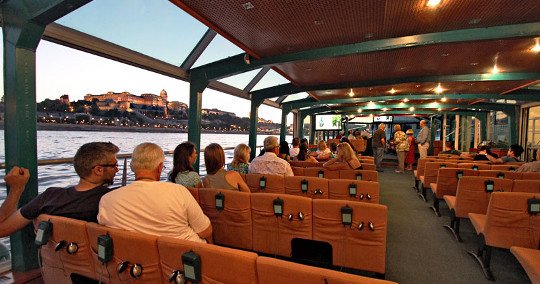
(328,122)
(382,119)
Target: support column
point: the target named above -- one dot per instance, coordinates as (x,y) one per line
(301,118)
(444,125)
(312,127)
(296,116)
(483,118)
(253,122)
(457,124)
(283,131)
(432,134)
(197,85)
(513,121)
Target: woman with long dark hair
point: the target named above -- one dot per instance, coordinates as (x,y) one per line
(216,176)
(183,172)
(284,152)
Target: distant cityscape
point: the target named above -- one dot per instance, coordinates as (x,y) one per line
(146,110)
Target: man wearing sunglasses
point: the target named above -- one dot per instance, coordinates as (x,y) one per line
(96,165)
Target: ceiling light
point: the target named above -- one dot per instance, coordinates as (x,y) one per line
(414,114)
(351,93)
(405,100)
(439,109)
(438,89)
(411,109)
(359,109)
(248,6)
(370,115)
(495,70)
(401,103)
(392,91)
(444,99)
(371,104)
(433,3)
(384,109)
(536,47)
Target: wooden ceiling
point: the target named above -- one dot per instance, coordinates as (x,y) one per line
(272,28)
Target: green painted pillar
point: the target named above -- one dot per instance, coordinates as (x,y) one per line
(513,120)
(197,85)
(253,122)
(482,116)
(283,131)
(433,130)
(312,129)
(301,118)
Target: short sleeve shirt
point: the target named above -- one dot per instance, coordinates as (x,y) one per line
(66,202)
(270,164)
(242,168)
(379,134)
(508,159)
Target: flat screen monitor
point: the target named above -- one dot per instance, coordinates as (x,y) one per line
(382,118)
(328,122)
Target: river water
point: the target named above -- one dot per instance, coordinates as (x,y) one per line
(64,144)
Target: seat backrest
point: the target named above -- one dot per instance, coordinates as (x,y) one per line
(195,192)
(432,170)
(271,270)
(366,191)
(475,165)
(303,164)
(471,196)
(359,175)
(316,187)
(135,247)
(367,166)
(366,161)
(530,175)
(274,183)
(232,225)
(421,166)
(314,172)
(508,222)
(529,185)
(447,180)
(331,174)
(505,167)
(273,234)
(218,264)
(363,249)
(499,174)
(358,144)
(298,171)
(58,265)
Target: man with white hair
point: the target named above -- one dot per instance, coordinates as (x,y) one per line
(270,163)
(532,166)
(423,139)
(153,207)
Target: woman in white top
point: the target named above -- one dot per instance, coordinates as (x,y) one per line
(322,153)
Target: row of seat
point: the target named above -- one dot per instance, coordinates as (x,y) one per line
(314,187)
(360,174)
(159,257)
(249,221)
(303,164)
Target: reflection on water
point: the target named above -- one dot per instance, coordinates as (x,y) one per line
(64,144)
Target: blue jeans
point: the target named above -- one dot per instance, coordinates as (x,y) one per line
(378,153)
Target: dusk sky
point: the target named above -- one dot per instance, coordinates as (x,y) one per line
(156,28)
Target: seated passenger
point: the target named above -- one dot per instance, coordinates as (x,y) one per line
(270,163)
(284,152)
(346,159)
(449,149)
(322,153)
(96,165)
(183,172)
(532,166)
(151,206)
(216,176)
(295,147)
(333,150)
(512,156)
(303,155)
(483,152)
(240,162)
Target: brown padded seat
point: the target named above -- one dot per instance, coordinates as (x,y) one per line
(505,167)
(471,196)
(231,226)
(316,187)
(218,264)
(480,166)
(497,173)
(530,185)
(129,246)
(274,183)
(271,270)
(529,260)
(352,174)
(366,161)
(339,189)
(304,164)
(421,166)
(367,166)
(314,172)
(58,265)
(478,221)
(450,201)
(195,192)
(530,175)
(432,170)
(272,234)
(358,249)
(447,181)
(298,171)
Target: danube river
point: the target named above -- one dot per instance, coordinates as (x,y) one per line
(64,144)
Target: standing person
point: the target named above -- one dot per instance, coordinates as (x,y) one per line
(240,162)
(183,172)
(216,176)
(270,163)
(96,166)
(295,147)
(409,159)
(402,146)
(379,142)
(284,151)
(423,139)
(153,207)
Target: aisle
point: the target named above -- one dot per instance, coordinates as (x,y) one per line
(420,250)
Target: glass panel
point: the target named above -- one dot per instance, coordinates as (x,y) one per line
(295,97)
(218,49)
(272,78)
(240,81)
(156,28)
